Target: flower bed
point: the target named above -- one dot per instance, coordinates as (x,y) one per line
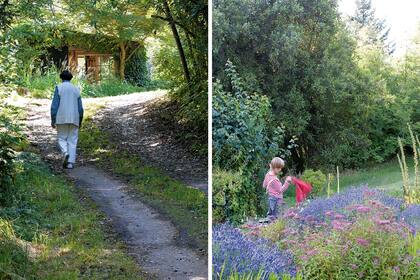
(361,233)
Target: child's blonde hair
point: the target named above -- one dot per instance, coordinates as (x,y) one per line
(277,163)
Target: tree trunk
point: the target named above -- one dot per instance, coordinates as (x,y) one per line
(123,55)
(177,40)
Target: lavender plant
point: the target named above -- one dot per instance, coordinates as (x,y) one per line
(318,208)
(234,252)
(411,215)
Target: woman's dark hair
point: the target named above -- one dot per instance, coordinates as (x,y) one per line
(66,75)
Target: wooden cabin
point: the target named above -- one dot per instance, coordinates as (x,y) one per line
(88,63)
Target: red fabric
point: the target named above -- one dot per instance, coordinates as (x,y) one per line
(302,189)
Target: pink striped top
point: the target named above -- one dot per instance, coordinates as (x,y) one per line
(273,185)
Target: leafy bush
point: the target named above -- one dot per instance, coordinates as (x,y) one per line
(245,138)
(317,179)
(230,198)
(273,231)
(136,71)
(235,253)
(41,85)
(10,139)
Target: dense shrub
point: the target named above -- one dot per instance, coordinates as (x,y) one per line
(345,102)
(231,198)
(245,138)
(317,179)
(136,71)
(10,139)
(234,252)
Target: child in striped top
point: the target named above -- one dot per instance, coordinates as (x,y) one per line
(274,187)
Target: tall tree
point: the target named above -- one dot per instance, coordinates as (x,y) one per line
(371,30)
(127,22)
(170,19)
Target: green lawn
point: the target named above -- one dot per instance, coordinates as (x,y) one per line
(386,176)
(48,232)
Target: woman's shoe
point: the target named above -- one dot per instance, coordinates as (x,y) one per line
(66,160)
(70,166)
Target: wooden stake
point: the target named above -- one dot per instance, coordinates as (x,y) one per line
(338,180)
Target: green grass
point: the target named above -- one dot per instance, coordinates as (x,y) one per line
(42,86)
(49,232)
(186,207)
(386,176)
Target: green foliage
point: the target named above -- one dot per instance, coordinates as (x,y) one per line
(245,138)
(330,261)
(42,85)
(244,132)
(11,140)
(317,179)
(190,94)
(346,103)
(108,87)
(14,259)
(230,197)
(273,231)
(168,67)
(48,234)
(136,71)
(411,189)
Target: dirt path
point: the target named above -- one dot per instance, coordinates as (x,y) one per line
(131,124)
(150,238)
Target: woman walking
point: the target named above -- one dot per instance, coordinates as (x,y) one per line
(66,116)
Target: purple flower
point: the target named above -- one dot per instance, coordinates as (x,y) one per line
(353,266)
(362,209)
(339,216)
(362,242)
(235,252)
(411,216)
(383,222)
(321,208)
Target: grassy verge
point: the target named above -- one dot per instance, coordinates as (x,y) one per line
(386,176)
(42,86)
(46,232)
(184,206)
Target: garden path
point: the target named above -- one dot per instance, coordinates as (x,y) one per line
(151,239)
(131,121)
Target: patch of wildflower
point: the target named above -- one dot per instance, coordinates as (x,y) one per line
(234,252)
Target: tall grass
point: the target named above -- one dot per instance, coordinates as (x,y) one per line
(42,85)
(411,191)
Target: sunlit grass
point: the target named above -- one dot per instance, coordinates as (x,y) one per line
(46,232)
